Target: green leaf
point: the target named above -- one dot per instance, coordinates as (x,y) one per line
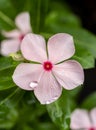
(7,67)
(12,98)
(46,126)
(6,85)
(7,62)
(8,117)
(7,8)
(83,56)
(61,18)
(85,39)
(60,111)
(61,15)
(89,102)
(6,81)
(18,6)
(38,13)
(5,22)
(8,112)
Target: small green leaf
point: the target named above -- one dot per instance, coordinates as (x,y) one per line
(7,62)
(5,22)
(60,111)
(6,85)
(7,8)
(7,67)
(13,98)
(89,102)
(18,6)
(38,13)
(6,81)
(8,112)
(8,117)
(63,17)
(84,57)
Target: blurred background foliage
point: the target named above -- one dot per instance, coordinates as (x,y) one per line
(20,110)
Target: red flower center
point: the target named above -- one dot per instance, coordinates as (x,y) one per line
(92,129)
(21,37)
(47,66)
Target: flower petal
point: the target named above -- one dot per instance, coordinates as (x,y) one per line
(9,46)
(11,34)
(60,47)
(69,74)
(26,75)
(33,48)
(48,89)
(23,22)
(93,116)
(80,120)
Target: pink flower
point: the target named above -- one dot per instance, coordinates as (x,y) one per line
(82,120)
(52,72)
(12,44)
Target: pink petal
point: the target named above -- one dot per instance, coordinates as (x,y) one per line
(26,75)
(23,22)
(80,120)
(93,117)
(33,48)
(11,34)
(9,46)
(60,47)
(48,89)
(69,74)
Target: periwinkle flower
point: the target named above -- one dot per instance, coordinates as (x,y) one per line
(14,37)
(83,120)
(53,69)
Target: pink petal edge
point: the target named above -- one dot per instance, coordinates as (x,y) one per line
(23,22)
(93,116)
(12,34)
(80,120)
(48,90)
(33,48)
(60,47)
(69,74)
(26,75)
(9,46)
